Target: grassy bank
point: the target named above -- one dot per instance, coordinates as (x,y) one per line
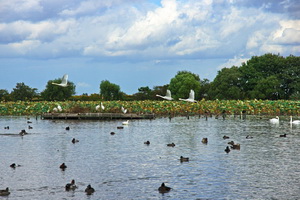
(160,108)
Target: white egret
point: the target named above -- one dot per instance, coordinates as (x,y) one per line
(102,106)
(64,81)
(167,97)
(124,110)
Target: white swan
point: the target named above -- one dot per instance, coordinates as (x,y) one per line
(275,120)
(124,110)
(167,97)
(64,81)
(191,97)
(126,122)
(102,106)
(295,121)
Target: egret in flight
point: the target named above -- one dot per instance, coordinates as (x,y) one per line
(64,81)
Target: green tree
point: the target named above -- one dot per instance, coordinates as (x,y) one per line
(267,88)
(23,92)
(110,91)
(145,93)
(183,82)
(226,85)
(55,92)
(4,95)
(205,85)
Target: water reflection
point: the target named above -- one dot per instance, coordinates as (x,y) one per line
(121,166)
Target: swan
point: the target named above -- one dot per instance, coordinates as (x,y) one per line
(295,121)
(167,97)
(64,81)
(126,122)
(124,110)
(275,120)
(191,97)
(102,106)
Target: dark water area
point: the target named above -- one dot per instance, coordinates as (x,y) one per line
(121,166)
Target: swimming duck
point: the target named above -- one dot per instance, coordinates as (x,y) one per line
(225,137)
(14,165)
(23,132)
(89,190)
(4,192)
(63,166)
(284,135)
(71,186)
(231,143)
(183,159)
(204,140)
(249,137)
(236,146)
(112,133)
(163,188)
(227,150)
(74,140)
(67,128)
(6,127)
(171,145)
(147,142)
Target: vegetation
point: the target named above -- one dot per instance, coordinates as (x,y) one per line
(159,108)
(54,92)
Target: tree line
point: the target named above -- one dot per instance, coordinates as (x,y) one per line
(269,76)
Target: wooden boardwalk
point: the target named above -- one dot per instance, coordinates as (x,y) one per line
(96,116)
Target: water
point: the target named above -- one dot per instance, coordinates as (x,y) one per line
(121,166)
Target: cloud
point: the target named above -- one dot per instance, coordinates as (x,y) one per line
(236,61)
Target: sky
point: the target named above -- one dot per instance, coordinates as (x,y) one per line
(138,43)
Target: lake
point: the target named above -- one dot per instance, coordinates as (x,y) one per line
(121,166)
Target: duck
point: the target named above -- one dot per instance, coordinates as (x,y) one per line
(184,159)
(231,143)
(274,120)
(164,189)
(89,190)
(295,121)
(67,128)
(204,140)
(4,192)
(236,146)
(126,122)
(225,137)
(147,142)
(23,132)
(14,165)
(167,97)
(249,137)
(71,186)
(6,127)
(74,141)
(284,135)
(227,150)
(63,166)
(112,133)
(30,127)
(171,145)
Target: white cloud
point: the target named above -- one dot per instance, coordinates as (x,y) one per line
(236,61)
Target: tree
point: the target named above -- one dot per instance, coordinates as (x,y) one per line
(183,82)
(205,85)
(110,91)
(267,88)
(226,85)
(145,93)
(23,92)
(54,92)
(4,95)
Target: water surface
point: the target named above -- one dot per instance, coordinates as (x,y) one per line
(121,166)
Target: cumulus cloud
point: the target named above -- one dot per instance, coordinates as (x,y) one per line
(133,29)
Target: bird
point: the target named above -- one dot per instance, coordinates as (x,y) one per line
(227,150)
(204,140)
(284,135)
(6,127)
(14,165)
(63,166)
(171,145)
(164,189)
(147,142)
(274,120)
(124,110)
(295,121)
(59,108)
(23,132)
(225,137)
(167,97)
(67,128)
(74,140)
(97,107)
(184,159)
(64,81)
(126,122)
(191,97)
(102,106)
(249,137)
(4,192)
(112,133)
(89,190)
(71,186)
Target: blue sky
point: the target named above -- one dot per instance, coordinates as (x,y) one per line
(137,43)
